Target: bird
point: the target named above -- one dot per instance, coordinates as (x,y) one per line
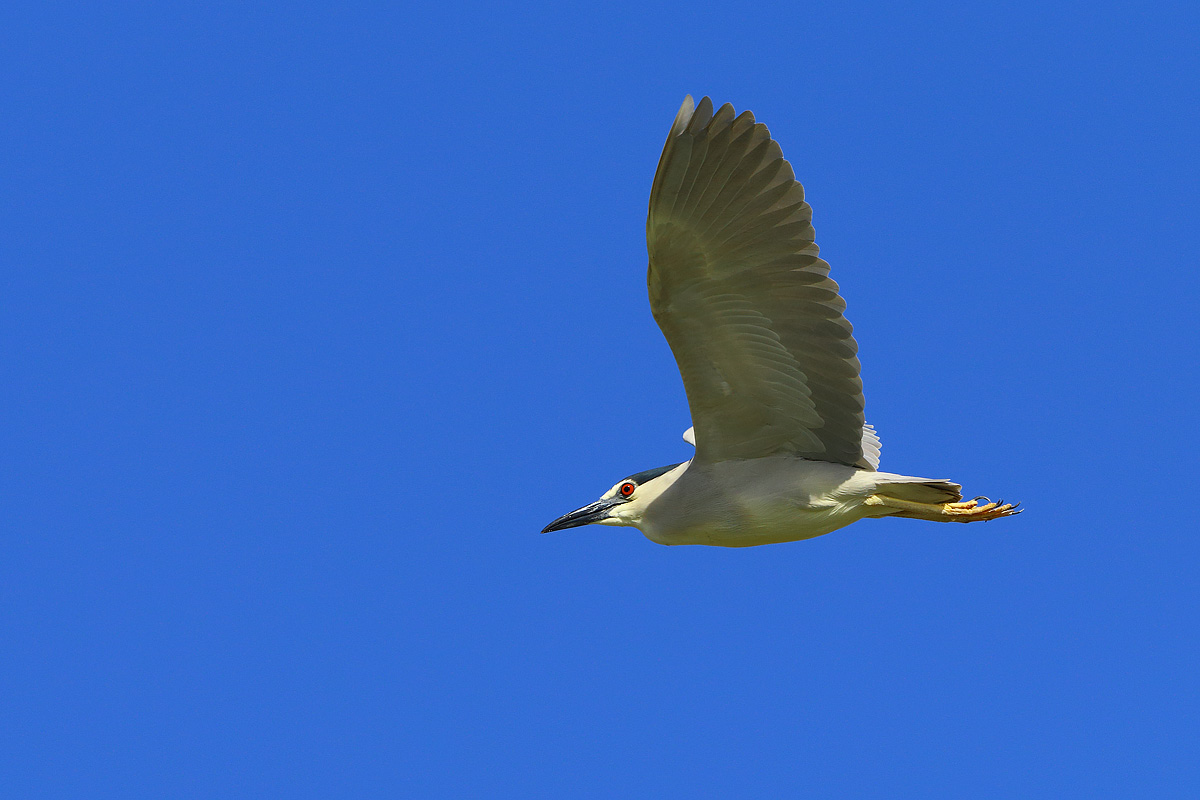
(768,360)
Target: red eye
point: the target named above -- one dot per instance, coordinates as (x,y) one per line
(626,489)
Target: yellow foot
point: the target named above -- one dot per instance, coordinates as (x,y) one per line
(971,511)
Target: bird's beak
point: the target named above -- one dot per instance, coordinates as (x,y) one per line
(582,516)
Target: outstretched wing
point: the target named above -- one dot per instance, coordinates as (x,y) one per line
(756,326)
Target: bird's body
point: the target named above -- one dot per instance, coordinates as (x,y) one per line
(770,500)
(767,358)
(760,501)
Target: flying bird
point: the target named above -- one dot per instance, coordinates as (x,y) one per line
(782,450)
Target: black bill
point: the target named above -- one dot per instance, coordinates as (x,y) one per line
(582,516)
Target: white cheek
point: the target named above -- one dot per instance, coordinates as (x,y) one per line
(625,513)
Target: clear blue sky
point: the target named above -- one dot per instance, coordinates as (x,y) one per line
(313,317)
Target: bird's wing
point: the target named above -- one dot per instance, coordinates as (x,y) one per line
(756,326)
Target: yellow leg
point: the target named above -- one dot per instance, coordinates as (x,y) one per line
(969,511)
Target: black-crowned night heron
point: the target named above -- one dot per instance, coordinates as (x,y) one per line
(768,361)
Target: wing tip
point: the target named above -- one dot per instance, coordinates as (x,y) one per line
(701,116)
(684,116)
(693,116)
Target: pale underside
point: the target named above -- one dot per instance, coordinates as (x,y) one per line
(742,503)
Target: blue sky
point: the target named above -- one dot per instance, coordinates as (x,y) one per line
(312,318)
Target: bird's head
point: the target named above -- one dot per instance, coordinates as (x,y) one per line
(624,503)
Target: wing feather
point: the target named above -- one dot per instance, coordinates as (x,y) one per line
(746,303)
